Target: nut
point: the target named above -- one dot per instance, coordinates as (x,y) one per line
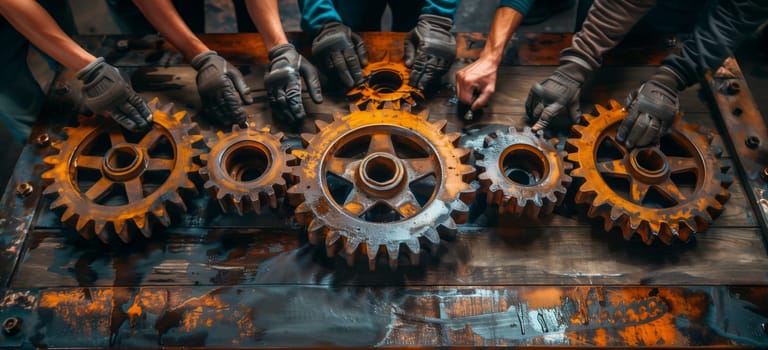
(24,189)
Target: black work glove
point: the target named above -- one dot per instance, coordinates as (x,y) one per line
(558,94)
(341,51)
(221,87)
(651,110)
(283,82)
(430,49)
(106,91)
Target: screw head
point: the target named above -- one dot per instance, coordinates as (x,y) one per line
(43,140)
(733,87)
(12,325)
(24,189)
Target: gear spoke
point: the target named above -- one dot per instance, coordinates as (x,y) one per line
(150,139)
(89,162)
(408,206)
(342,167)
(134,190)
(116,136)
(679,165)
(613,168)
(160,164)
(381,142)
(616,144)
(670,190)
(100,189)
(357,204)
(419,168)
(638,190)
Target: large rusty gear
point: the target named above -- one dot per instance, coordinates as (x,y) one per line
(374,180)
(385,82)
(523,173)
(673,189)
(246,169)
(108,180)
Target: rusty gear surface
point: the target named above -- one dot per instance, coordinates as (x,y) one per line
(523,173)
(384,82)
(673,189)
(109,180)
(246,169)
(374,180)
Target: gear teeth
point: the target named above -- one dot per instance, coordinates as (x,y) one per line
(82,222)
(432,236)
(307,138)
(600,109)
(440,125)
(371,252)
(320,125)
(143,225)
(388,105)
(425,115)
(615,105)
(162,216)
(315,236)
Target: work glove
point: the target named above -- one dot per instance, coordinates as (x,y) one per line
(651,110)
(106,91)
(556,95)
(341,51)
(221,87)
(430,49)
(283,82)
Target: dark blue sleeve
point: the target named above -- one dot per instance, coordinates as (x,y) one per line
(725,26)
(521,6)
(443,8)
(316,13)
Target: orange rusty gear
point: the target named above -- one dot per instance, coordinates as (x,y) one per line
(374,180)
(384,82)
(108,180)
(246,169)
(673,189)
(523,173)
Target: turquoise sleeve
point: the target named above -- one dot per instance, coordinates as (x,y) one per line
(316,13)
(443,8)
(521,6)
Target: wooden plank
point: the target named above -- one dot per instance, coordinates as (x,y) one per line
(509,254)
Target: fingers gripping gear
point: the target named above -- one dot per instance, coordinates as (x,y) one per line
(373,181)
(106,180)
(523,173)
(246,170)
(673,189)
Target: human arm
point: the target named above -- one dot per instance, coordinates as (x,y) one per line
(476,82)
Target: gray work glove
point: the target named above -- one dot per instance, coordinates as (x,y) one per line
(341,51)
(558,94)
(221,87)
(106,91)
(430,49)
(283,82)
(651,110)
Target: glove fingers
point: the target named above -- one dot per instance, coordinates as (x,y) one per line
(626,125)
(353,63)
(639,128)
(141,107)
(309,72)
(651,135)
(574,109)
(129,117)
(549,112)
(410,53)
(295,107)
(362,51)
(340,66)
(239,82)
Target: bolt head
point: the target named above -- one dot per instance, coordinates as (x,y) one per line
(24,189)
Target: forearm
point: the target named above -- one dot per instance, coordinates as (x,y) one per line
(266,17)
(505,22)
(711,42)
(164,17)
(606,25)
(32,21)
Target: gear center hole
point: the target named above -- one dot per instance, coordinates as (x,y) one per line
(381,170)
(247,162)
(122,158)
(524,166)
(650,161)
(385,81)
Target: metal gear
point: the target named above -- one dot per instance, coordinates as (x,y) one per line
(374,180)
(384,82)
(108,180)
(523,173)
(673,189)
(246,169)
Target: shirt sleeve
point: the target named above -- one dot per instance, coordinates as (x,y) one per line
(443,8)
(606,25)
(726,25)
(521,6)
(316,13)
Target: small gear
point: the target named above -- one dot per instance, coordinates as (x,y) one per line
(374,180)
(673,189)
(105,177)
(523,173)
(246,169)
(384,82)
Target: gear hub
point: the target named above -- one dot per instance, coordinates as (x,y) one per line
(385,82)
(673,189)
(522,173)
(107,180)
(246,170)
(375,180)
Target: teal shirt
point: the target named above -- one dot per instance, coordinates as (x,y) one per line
(521,6)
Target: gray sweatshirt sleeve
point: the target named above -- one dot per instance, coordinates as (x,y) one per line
(607,22)
(726,24)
